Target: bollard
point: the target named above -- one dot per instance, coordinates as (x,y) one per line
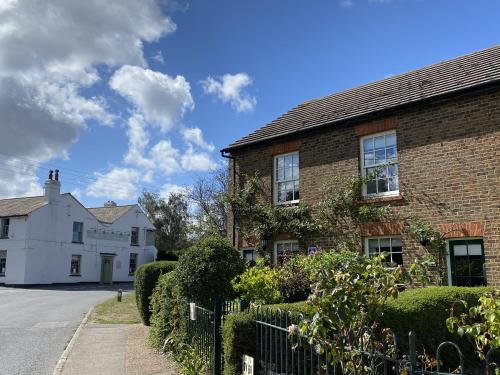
(119,295)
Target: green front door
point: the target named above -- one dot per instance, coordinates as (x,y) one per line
(467,263)
(106,269)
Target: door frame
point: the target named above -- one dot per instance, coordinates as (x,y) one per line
(112,257)
(448,256)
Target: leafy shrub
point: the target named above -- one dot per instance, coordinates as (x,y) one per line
(293,282)
(481,323)
(258,284)
(145,280)
(168,311)
(347,302)
(424,311)
(206,270)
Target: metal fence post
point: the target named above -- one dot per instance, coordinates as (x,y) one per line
(217,363)
(413,352)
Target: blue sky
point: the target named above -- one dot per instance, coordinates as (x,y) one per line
(274,55)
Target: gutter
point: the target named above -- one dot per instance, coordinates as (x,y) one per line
(229,156)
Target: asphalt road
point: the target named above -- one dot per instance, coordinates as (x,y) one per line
(37,323)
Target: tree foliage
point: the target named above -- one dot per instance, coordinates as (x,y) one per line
(208,198)
(170,218)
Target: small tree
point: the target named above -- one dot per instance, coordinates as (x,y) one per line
(170,218)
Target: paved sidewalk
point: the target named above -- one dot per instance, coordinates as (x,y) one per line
(115,349)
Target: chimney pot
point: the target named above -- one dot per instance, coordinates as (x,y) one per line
(50,174)
(57,175)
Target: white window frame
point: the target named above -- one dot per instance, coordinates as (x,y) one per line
(81,232)
(275,245)
(367,248)
(243,249)
(3,256)
(138,237)
(79,271)
(136,258)
(276,182)
(3,226)
(363,167)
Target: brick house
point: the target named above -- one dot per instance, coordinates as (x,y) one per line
(435,130)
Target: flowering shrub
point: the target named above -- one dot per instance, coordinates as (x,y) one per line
(349,302)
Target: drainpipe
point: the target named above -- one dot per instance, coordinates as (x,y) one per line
(229,156)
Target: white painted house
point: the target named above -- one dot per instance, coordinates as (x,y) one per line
(54,239)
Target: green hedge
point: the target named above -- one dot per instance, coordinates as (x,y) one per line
(424,311)
(145,280)
(238,334)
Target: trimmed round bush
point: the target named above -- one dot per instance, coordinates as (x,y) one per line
(145,280)
(206,269)
(424,311)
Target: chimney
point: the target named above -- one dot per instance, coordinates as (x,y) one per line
(52,187)
(110,204)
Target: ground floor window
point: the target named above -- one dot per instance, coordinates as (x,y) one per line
(284,250)
(467,262)
(3,262)
(132,266)
(75,265)
(248,255)
(389,245)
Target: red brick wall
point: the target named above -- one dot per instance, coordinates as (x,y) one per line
(448,154)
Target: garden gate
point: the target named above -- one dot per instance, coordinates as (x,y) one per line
(204,330)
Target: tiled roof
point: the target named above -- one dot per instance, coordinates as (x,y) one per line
(465,72)
(20,206)
(109,214)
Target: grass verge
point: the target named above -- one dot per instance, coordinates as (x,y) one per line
(114,312)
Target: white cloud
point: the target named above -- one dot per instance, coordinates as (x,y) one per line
(50,50)
(118,183)
(195,136)
(165,157)
(161,99)
(230,88)
(170,188)
(158,57)
(197,161)
(346,3)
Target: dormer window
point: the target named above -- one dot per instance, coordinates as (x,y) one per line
(4,228)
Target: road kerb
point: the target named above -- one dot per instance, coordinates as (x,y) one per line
(60,364)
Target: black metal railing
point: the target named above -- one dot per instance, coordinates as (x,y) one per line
(279,352)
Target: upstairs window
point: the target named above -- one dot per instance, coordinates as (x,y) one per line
(286,177)
(75,265)
(3,262)
(134,236)
(379,163)
(391,246)
(4,228)
(132,265)
(77,231)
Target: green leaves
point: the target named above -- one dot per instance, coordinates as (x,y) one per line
(481,323)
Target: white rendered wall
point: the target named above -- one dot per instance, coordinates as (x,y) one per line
(45,257)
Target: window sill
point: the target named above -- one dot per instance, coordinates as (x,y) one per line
(77,242)
(2,275)
(75,275)
(131,274)
(381,199)
(4,238)
(287,204)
